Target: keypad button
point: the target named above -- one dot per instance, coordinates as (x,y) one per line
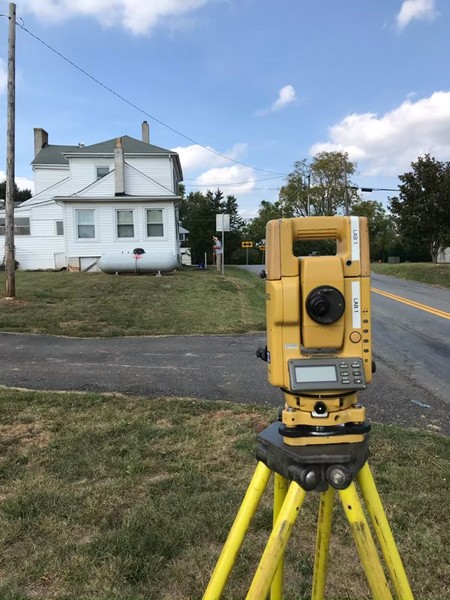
(356,373)
(345,380)
(356,365)
(343,366)
(345,373)
(357,381)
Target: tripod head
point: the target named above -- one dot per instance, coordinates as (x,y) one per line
(318,328)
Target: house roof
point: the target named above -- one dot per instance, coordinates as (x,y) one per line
(129,145)
(53,155)
(57,155)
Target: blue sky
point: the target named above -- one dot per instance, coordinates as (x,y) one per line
(263,83)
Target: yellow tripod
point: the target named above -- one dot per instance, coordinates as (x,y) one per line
(313,471)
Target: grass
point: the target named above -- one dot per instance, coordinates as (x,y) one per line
(107,497)
(99,305)
(185,302)
(428,273)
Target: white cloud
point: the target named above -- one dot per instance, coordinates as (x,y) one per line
(415,10)
(3,76)
(387,145)
(137,16)
(196,158)
(236,179)
(206,169)
(286,96)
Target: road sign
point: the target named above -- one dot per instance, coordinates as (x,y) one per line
(247,245)
(262,248)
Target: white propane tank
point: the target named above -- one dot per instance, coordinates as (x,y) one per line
(153,262)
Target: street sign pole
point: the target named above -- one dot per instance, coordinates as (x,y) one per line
(223,246)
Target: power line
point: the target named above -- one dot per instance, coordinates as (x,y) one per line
(111,91)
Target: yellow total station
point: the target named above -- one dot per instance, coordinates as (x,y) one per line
(318,328)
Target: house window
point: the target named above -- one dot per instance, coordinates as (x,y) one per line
(59,228)
(85,224)
(102,171)
(125,223)
(21,226)
(155,226)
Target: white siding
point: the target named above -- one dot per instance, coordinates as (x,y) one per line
(45,177)
(84,171)
(106,236)
(158,180)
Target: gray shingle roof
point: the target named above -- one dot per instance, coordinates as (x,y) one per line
(130,146)
(54,155)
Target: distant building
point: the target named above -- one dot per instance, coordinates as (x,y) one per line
(112,196)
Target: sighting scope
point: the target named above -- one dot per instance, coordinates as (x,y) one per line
(318,327)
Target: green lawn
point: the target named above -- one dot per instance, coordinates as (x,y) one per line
(95,304)
(106,497)
(428,273)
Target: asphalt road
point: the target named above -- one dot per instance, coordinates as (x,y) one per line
(411,347)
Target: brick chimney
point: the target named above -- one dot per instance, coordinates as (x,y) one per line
(145,132)
(119,169)
(40,140)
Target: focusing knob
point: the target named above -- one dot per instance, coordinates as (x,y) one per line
(262,353)
(325,305)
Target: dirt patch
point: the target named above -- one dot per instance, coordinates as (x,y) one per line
(13,302)
(23,433)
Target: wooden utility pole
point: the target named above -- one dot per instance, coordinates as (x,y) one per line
(10,279)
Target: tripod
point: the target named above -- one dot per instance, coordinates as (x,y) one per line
(296,471)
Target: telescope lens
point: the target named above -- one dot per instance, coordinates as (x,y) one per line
(325,305)
(319,306)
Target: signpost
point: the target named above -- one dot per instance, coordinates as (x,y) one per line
(246,245)
(223,224)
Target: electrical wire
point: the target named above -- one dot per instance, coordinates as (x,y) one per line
(111,91)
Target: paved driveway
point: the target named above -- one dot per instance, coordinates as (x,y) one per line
(208,367)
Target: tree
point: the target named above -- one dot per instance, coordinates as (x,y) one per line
(381,226)
(422,210)
(322,187)
(198,215)
(19,196)
(256,230)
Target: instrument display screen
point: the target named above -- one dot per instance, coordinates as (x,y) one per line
(317,373)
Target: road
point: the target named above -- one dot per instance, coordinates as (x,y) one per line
(411,348)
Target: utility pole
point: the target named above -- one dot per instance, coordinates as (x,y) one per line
(10,268)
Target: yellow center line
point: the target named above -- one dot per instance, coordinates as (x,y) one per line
(433,311)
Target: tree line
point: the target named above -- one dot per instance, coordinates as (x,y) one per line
(415,226)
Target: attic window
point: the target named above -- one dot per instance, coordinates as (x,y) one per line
(102,171)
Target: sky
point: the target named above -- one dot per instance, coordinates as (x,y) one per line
(241,89)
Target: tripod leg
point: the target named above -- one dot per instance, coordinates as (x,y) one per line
(322,544)
(365,544)
(279,494)
(276,544)
(237,533)
(384,533)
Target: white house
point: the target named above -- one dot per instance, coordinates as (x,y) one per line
(109,197)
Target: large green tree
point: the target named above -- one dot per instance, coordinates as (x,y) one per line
(422,209)
(321,187)
(255,231)
(382,235)
(198,215)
